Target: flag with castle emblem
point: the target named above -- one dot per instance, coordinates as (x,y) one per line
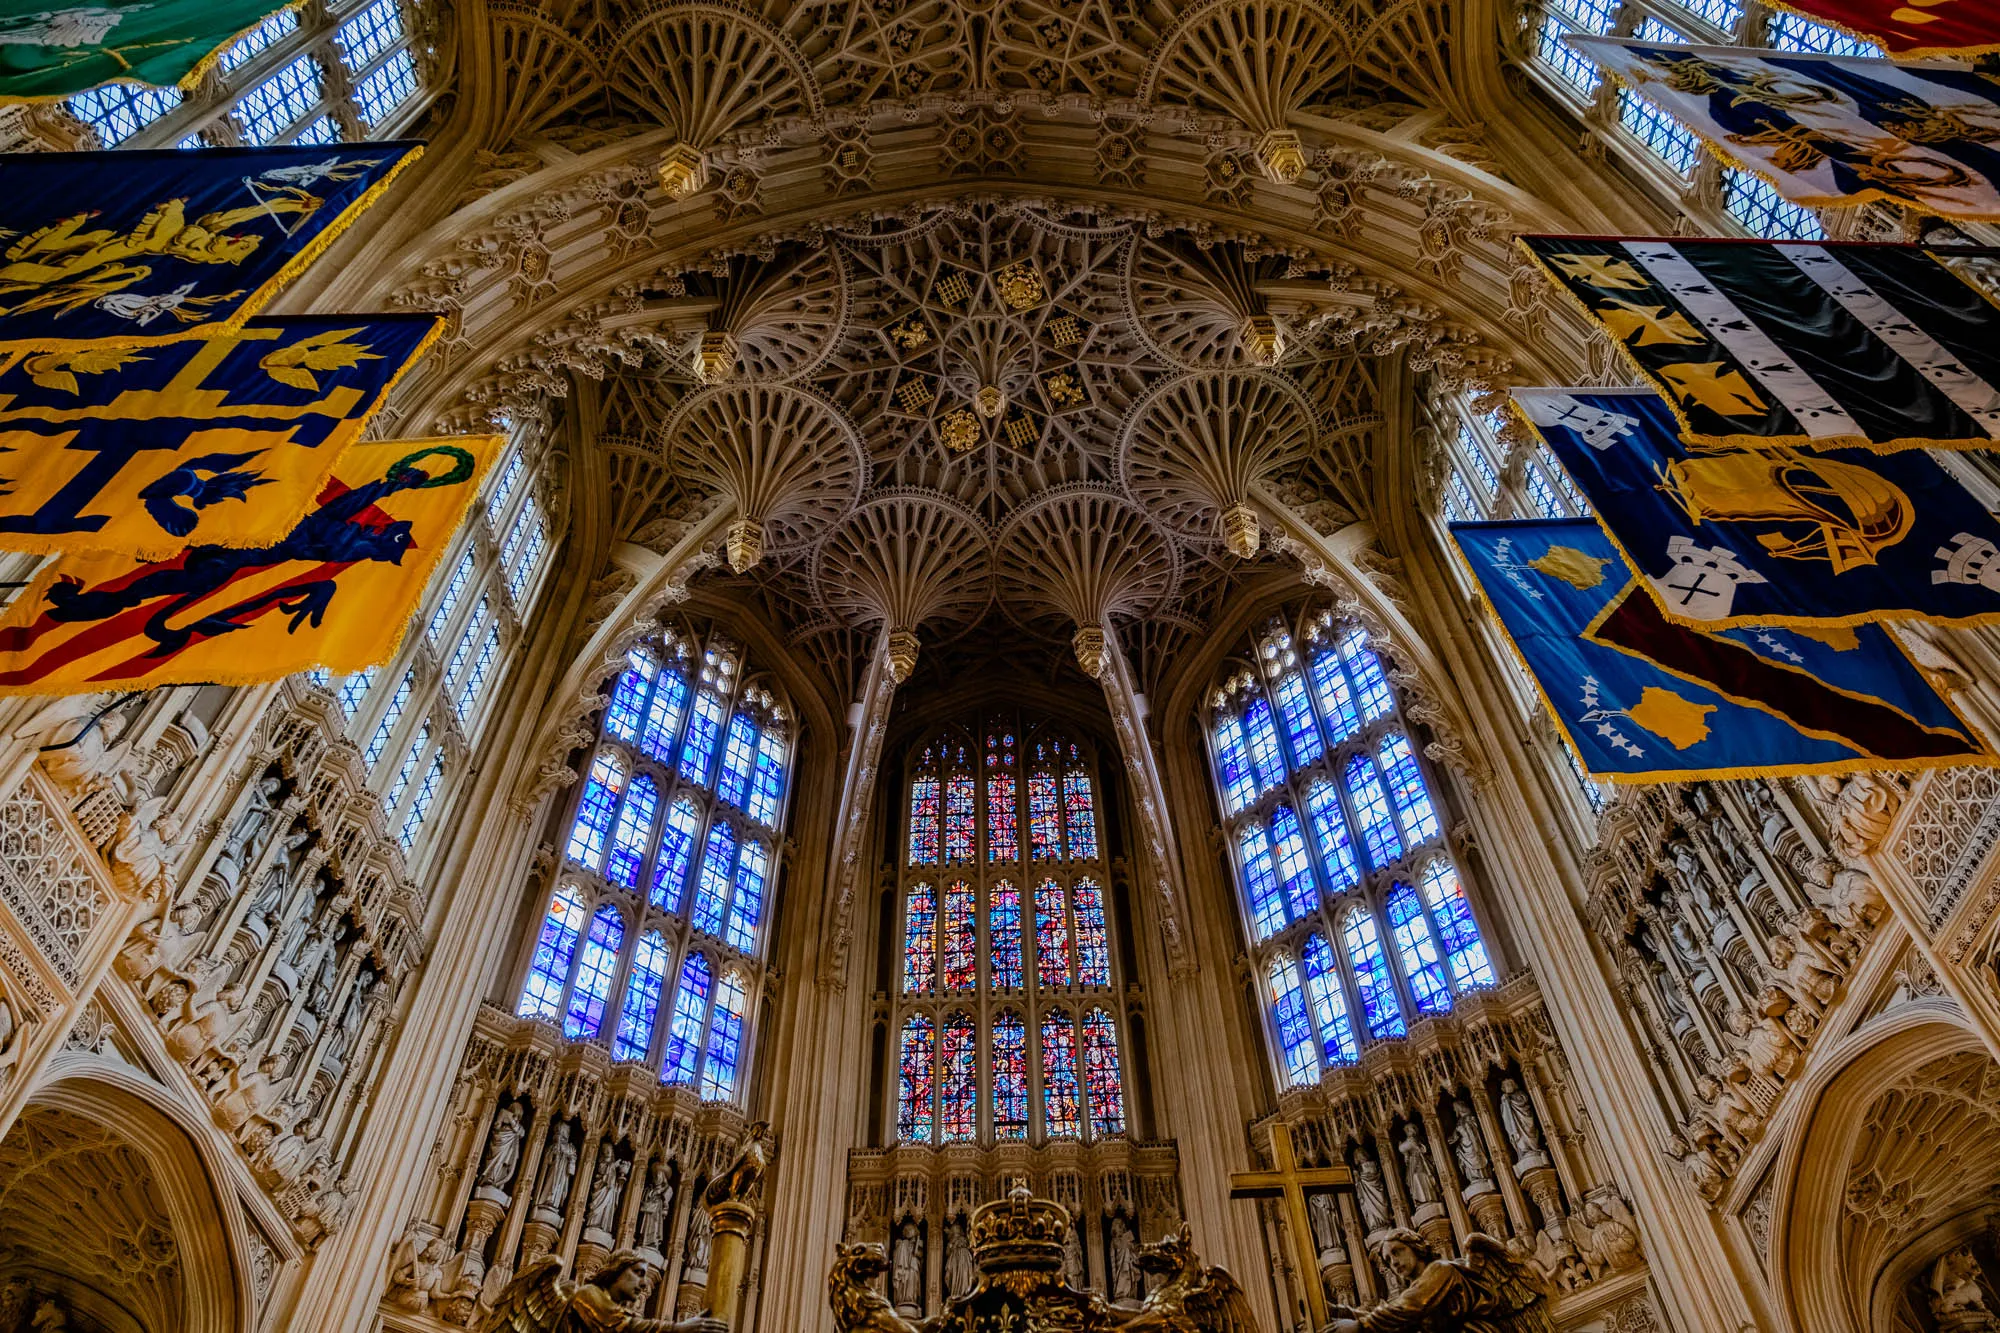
(1641,699)
(1767,344)
(1769,536)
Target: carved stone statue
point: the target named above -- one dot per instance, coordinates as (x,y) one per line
(1958,1294)
(960,1274)
(541,1300)
(1325,1217)
(1073,1253)
(92,754)
(1807,974)
(694,1266)
(503,1148)
(655,1205)
(1488,1290)
(607,1186)
(1419,1174)
(1468,1147)
(1371,1191)
(906,1278)
(1123,1260)
(1517,1118)
(552,1192)
(1609,1243)
(416,1271)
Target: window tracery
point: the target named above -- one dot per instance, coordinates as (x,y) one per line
(676,901)
(1354,906)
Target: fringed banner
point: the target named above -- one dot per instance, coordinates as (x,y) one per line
(1909,27)
(1757,344)
(64,48)
(143,247)
(337,592)
(224,442)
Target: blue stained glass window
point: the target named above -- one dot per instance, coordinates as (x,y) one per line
(1294,866)
(1458,502)
(711,893)
(704,729)
(593,974)
(1336,696)
(1295,1031)
(1044,818)
(663,715)
(738,753)
(420,804)
(1052,956)
(1003,834)
(1722,13)
(633,834)
(725,1041)
(746,907)
(1260,883)
(628,696)
(1371,687)
(531,556)
(1263,740)
(1577,69)
(1103,1084)
(1421,964)
(1239,788)
(916,1066)
(924,821)
(1061,1116)
(1297,712)
(670,871)
(1093,939)
(1329,1006)
(1406,788)
(920,939)
(555,947)
(767,790)
(454,590)
(1336,846)
(959,953)
(690,1012)
(642,998)
(1542,495)
(1463,949)
(1010,1076)
(1371,976)
(1079,816)
(594,811)
(1371,807)
(1003,936)
(958,1081)
(961,819)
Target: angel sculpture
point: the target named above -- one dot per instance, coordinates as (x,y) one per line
(541,1300)
(1192,1297)
(1485,1292)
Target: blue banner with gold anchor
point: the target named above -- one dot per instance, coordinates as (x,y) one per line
(219,442)
(1643,700)
(153,246)
(338,591)
(1772,537)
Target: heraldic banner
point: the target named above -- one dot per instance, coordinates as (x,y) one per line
(1779,343)
(1644,700)
(337,592)
(152,246)
(1904,28)
(1771,536)
(223,442)
(57,49)
(1827,130)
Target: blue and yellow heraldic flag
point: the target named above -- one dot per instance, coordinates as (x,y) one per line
(338,591)
(219,442)
(1772,537)
(153,246)
(1644,700)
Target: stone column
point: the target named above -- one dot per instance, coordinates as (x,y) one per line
(1501,1153)
(1149,797)
(728,1257)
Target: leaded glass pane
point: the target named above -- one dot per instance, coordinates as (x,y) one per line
(387,87)
(1371,808)
(555,947)
(924,822)
(642,998)
(1421,964)
(1003,838)
(1260,883)
(273,106)
(916,1064)
(768,789)
(663,715)
(1010,1076)
(1371,687)
(1406,789)
(593,974)
(633,836)
(1044,818)
(920,939)
(960,951)
(117,111)
(738,751)
(1336,846)
(1294,866)
(1003,935)
(1296,710)
(711,892)
(1093,938)
(703,731)
(1371,976)
(1232,761)
(1463,949)
(1295,1034)
(1061,1116)
(1262,736)
(725,1041)
(594,811)
(746,905)
(1103,1082)
(1052,957)
(690,1011)
(1335,695)
(368,34)
(670,871)
(958,1080)
(1079,816)
(628,696)
(1329,1005)
(420,804)
(961,819)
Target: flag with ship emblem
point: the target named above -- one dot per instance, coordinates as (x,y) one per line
(1827,131)
(1772,536)
(1761,344)
(1909,27)
(1641,699)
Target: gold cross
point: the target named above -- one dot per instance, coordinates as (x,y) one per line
(1287,1181)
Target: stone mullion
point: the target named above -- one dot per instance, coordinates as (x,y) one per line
(1501,1153)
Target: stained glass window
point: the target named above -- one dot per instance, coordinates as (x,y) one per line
(1080,816)
(704,729)
(1371,976)
(711,890)
(642,998)
(1238,787)
(1295,1033)
(1421,964)
(1102,1083)
(1044,819)
(1329,1006)
(1260,883)
(593,975)
(1263,740)
(1061,1116)
(1003,935)
(746,905)
(555,947)
(958,1080)
(1010,1076)
(1371,807)
(594,811)
(1296,710)
(684,1033)
(960,951)
(1464,950)
(1003,841)
(738,751)
(1336,848)
(1294,867)
(961,819)
(670,872)
(916,1065)
(1406,787)
(725,1041)
(1371,687)
(663,715)
(1093,939)
(768,790)
(1052,963)
(924,822)
(634,833)
(1335,695)
(920,939)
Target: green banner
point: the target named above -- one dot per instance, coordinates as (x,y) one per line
(51,49)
